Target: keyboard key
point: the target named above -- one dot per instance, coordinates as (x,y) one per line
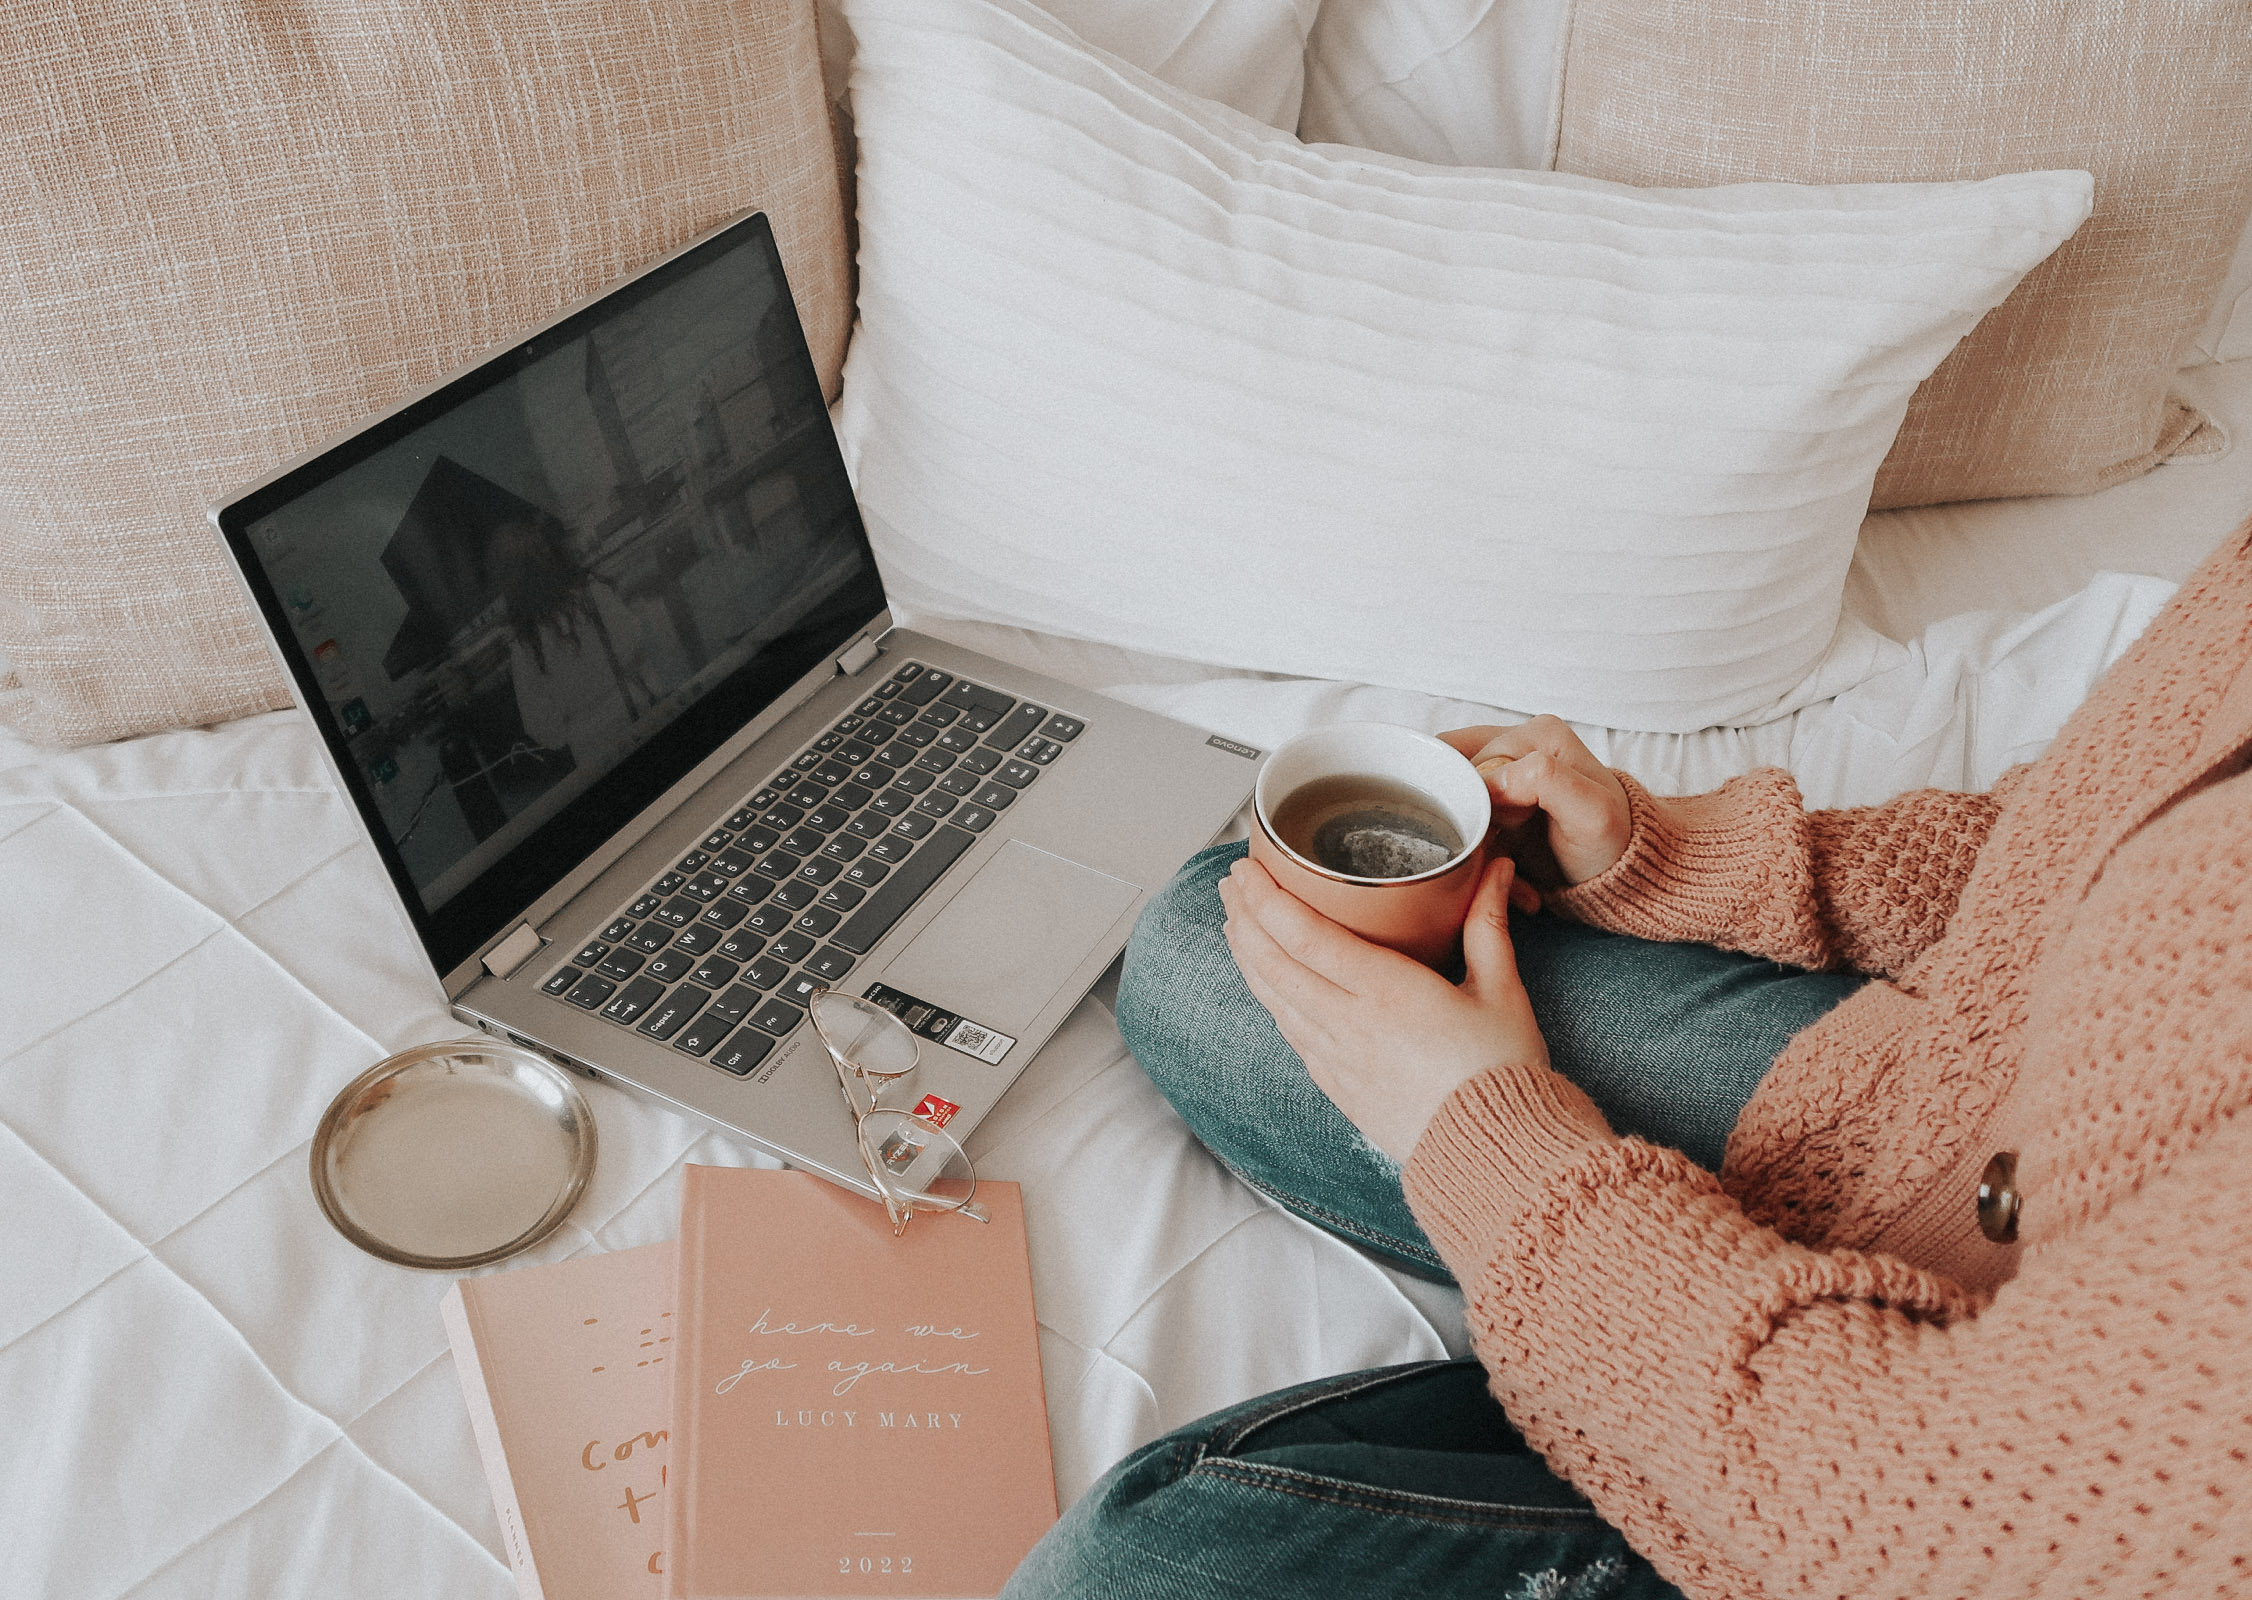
(643,906)
(741,820)
(935,760)
(1017,725)
(782,818)
(867,873)
(733,1006)
(896,755)
(912,781)
(828,818)
(829,963)
(724,913)
(741,1053)
(958,739)
(801,988)
(891,802)
(779,864)
(890,848)
(844,847)
(935,804)
(671,966)
(635,998)
(716,972)
(591,954)
(916,735)
(750,891)
(868,825)
(618,929)
(770,919)
(938,717)
(673,1012)
(966,695)
(828,741)
(766,973)
(842,896)
(791,948)
(669,883)
(923,690)
(706,1031)
(869,707)
(741,945)
(888,904)
(819,870)
(975,818)
(777,1017)
(652,937)
(976,720)
(802,842)
(1042,751)
(677,912)
(717,840)
(872,776)
(886,691)
(691,861)
(981,761)
(761,800)
(818,921)
(620,964)
(1063,727)
(808,794)
(850,796)
(590,991)
(562,981)
(732,864)
(756,841)
(996,797)
(698,938)
(912,826)
(1016,774)
(833,772)
(795,895)
(897,716)
(853,751)
(908,672)
(806,762)
(706,886)
(960,783)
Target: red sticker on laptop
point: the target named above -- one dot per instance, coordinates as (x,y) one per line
(932,1109)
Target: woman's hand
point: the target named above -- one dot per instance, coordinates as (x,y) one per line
(1559,813)
(1384,1036)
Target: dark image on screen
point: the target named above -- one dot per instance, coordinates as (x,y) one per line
(504,602)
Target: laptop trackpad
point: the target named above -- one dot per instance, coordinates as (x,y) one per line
(1004,945)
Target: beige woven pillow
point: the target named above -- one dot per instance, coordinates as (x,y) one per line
(230,231)
(2062,389)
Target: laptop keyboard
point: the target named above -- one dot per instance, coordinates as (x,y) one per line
(718,955)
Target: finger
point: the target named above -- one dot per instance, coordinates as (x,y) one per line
(1523,896)
(1578,802)
(1472,740)
(1488,954)
(1551,736)
(1311,940)
(1266,973)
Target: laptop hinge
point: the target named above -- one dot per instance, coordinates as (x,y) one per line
(513,951)
(863,651)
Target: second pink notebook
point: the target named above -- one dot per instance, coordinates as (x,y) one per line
(853,1414)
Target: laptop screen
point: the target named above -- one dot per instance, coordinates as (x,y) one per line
(623,538)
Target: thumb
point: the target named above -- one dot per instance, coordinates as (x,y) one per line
(1488,954)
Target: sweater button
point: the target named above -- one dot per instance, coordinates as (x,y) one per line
(1998,1198)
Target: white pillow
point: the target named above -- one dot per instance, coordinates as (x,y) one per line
(1465,83)
(1134,368)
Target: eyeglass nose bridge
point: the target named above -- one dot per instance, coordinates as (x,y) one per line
(901,1200)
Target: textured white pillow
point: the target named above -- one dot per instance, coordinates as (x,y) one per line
(1133,368)
(1465,83)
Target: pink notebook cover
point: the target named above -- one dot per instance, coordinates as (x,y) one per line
(567,1370)
(853,1414)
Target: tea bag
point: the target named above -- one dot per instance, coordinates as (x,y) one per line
(1379,844)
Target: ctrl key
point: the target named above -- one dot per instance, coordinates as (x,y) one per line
(746,1050)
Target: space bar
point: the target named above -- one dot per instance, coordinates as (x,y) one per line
(902,889)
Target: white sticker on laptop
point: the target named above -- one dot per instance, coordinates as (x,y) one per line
(973,1040)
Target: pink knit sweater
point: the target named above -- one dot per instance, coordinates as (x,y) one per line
(1813,1374)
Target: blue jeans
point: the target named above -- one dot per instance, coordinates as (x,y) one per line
(1404,1480)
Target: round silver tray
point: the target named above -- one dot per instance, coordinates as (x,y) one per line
(453,1155)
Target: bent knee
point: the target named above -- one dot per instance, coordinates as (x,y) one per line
(1178,967)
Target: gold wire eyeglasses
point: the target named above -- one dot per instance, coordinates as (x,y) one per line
(915,1164)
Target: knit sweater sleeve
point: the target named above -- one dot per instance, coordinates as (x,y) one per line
(1749,868)
(1763,1419)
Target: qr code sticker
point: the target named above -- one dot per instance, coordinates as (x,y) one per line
(981,1042)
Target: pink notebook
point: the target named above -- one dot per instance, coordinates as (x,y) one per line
(853,1414)
(568,1373)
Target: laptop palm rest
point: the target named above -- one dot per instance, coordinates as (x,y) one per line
(1008,941)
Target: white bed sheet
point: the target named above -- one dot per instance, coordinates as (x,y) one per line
(209,1393)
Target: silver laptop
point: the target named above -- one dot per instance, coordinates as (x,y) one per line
(594,640)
